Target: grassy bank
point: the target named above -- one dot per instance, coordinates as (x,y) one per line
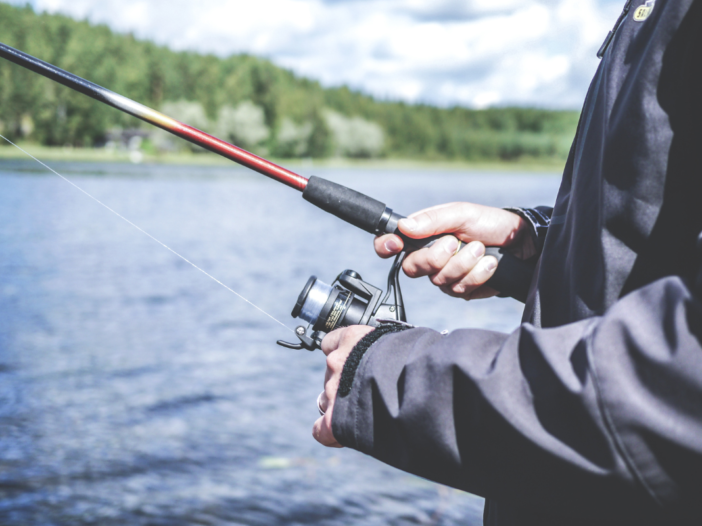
(102,155)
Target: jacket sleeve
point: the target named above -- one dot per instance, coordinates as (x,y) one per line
(603,415)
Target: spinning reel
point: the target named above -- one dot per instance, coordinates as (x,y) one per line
(347,301)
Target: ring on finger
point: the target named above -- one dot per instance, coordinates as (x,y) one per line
(319,404)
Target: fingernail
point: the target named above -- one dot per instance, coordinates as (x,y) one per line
(477,249)
(409,224)
(451,245)
(490,264)
(391,245)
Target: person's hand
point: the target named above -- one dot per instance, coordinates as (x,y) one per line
(461,274)
(337,345)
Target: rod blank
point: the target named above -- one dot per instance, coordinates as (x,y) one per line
(190,134)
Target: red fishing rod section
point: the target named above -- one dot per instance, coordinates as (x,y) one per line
(237,154)
(190,134)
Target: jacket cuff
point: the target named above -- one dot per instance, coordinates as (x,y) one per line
(348,407)
(538,219)
(354,359)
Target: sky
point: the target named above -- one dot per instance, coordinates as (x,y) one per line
(474,53)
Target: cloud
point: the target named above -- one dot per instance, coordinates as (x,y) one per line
(446,52)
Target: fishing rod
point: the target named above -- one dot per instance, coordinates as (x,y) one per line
(511,278)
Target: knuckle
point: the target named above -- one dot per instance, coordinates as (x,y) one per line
(330,342)
(435,260)
(465,288)
(333,361)
(466,261)
(346,335)
(437,279)
(489,265)
(352,336)
(410,268)
(472,280)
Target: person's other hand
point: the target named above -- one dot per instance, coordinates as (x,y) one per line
(462,274)
(337,345)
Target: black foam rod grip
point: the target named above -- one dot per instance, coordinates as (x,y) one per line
(351,206)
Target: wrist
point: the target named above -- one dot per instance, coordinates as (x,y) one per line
(525,241)
(520,242)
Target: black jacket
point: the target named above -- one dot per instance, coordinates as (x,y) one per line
(591,411)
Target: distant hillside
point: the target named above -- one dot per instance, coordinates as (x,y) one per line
(244,99)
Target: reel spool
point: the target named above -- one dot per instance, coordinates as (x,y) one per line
(347,301)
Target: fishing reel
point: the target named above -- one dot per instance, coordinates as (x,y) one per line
(347,301)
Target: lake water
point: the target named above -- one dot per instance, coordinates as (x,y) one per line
(136,391)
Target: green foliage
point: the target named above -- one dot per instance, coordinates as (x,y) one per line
(244,125)
(246,99)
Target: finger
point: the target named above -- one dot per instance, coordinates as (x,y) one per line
(482,293)
(467,221)
(430,208)
(428,261)
(388,245)
(323,400)
(460,265)
(335,362)
(447,218)
(331,341)
(352,335)
(344,339)
(322,433)
(475,280)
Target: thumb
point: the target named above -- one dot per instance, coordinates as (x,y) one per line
(445,219)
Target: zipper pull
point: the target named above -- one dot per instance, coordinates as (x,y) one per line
(605,44)
(610,35)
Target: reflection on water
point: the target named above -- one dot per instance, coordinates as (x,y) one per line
(134,390)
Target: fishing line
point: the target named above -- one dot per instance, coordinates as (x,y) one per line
(148,235)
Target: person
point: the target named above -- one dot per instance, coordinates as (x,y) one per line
(590,412)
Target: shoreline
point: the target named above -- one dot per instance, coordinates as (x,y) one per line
(101,155)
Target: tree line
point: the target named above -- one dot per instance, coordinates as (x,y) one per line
(245,99)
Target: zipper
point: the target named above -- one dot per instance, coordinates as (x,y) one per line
(611,34)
